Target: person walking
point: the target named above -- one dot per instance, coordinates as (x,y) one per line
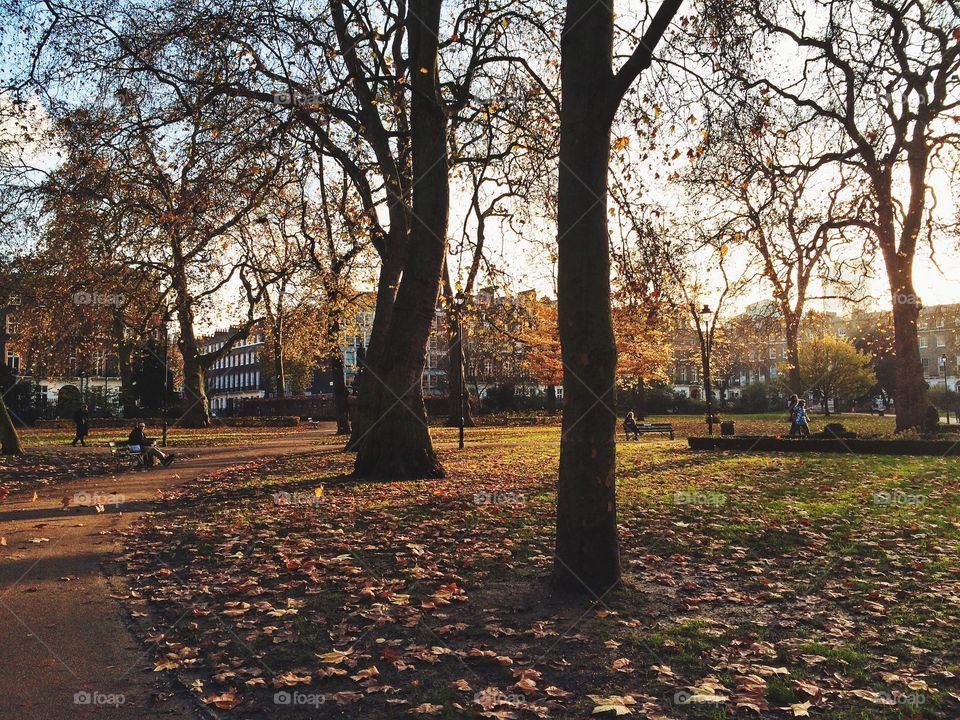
(800,426)
(791,411)
(81,418)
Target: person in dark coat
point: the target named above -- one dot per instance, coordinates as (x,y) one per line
(139,442)
(81,418)
(630,426)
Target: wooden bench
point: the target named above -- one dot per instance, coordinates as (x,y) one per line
(645,428)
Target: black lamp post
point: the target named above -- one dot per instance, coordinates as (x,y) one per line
(458,305)
(166,375)
(946,387)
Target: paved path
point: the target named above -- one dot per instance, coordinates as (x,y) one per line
(62,631)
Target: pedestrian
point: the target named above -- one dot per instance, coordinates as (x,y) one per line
(800,426)
(81,418)
(791,409)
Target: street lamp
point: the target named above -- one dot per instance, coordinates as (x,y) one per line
(706,312)
(166,375)
(458,306)
(946,388)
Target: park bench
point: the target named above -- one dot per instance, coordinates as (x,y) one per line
(644,428)
(125,456)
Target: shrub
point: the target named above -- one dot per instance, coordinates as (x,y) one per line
(931,419)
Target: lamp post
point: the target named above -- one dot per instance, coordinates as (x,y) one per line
(458,306)
(166,375)
(946,388)
(706,312)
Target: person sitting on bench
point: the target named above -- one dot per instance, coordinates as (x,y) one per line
(140,443)
(630,426)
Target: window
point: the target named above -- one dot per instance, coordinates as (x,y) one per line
(683,373)
(926,364)
(941,342)
(13,361)
(773,353)
(923,341)
(11,325)
(941,322)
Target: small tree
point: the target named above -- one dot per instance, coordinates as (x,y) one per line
(834,368)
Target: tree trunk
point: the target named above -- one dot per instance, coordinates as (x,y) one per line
(911,399)
(197,413)
(587,550)
(363,416)
(792,332)
(279,375)
(397,442)
(456,380)
(9,439)
(340,402)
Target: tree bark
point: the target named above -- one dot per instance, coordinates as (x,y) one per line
(587,550)
(9,439)
(911,400)
(341,404)
(397,442)
(792,331)
(387,283)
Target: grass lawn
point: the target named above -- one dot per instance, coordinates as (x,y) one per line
(757,585)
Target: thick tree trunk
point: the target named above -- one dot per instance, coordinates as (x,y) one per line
(456,380)
(197,411)
(397,442)
(911,395)
(9,439)
(341,404)
(363,415)
(911,399)
(587,551)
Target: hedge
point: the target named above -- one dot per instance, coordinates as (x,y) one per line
(241,421)
(868,446)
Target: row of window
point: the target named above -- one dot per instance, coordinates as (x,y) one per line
(255,339)
(234,381)
(236,359)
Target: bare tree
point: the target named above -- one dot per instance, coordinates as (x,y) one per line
(881,81)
